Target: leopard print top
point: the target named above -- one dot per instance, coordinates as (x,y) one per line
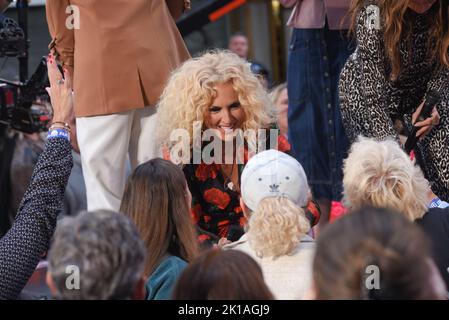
(370,101)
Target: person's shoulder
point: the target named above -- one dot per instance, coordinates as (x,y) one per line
(368,8)
(170,267)
(306,246)
(173,263)
(237,245)
(436,215)
(242,245)
(435,221)
(162,280)
(308,240)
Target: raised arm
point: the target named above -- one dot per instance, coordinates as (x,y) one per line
(29,237)
(25,243)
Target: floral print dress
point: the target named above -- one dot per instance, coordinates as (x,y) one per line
(216,207)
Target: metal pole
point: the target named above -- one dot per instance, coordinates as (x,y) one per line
(22,11)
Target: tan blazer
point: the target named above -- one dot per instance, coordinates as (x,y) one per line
(122,53)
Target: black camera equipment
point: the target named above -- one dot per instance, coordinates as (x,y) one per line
(16,98)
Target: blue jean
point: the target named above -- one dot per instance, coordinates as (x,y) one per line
(316,131)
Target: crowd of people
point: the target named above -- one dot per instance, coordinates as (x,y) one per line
(230,186)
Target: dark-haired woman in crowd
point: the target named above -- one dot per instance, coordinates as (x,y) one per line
(222,275)
(158,199)
(401,55)
(375,254)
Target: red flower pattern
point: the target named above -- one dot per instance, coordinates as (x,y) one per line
(205,171)
(217,197)
(203,238)
(196,213)
(283,144)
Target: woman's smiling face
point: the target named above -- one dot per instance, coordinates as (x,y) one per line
(225,113)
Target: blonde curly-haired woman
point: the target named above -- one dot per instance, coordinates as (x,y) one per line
(214,100)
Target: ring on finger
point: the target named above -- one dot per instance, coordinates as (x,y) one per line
(61,81)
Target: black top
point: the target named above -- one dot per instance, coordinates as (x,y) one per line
(28,239)
(435,224)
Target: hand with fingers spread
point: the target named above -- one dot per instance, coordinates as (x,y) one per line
(425,125)
(61,96)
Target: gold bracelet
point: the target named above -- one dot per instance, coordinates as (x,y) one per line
(60,125)
(63,124)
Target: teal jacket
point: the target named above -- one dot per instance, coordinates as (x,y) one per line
(160,284)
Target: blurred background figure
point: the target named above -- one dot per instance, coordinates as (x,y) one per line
(238,43)
(375,254)
(318,52)
(158,200)
(279,97)
(104,255)
(222,275)
(262,72)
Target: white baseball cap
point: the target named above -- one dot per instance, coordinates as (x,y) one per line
(272,173)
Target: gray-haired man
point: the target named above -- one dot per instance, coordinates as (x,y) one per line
(96,256)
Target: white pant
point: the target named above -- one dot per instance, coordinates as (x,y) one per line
(105,142)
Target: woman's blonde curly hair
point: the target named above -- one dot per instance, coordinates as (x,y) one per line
(276,227)
(190,92)
(380,174)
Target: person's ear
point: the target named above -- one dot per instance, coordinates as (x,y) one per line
(51,284)
(139,290)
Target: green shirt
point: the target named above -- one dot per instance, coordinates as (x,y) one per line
(160,284)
